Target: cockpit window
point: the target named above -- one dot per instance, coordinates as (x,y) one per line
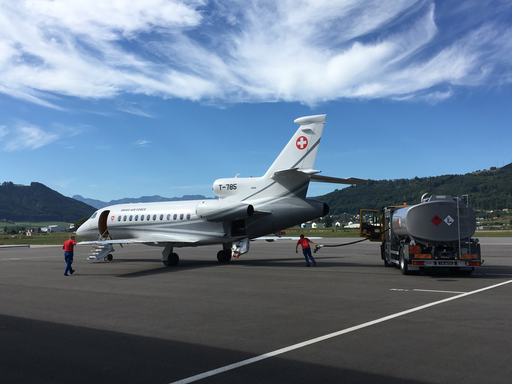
(93,215)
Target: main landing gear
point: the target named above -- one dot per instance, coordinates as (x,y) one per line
(171,259)
(224,256)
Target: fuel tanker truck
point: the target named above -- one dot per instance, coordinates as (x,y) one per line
(435,233)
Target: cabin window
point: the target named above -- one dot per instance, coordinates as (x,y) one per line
(154,217)
(175,217)
(181,216)
(141,217)
(147,217)
(124,218)
(136,217)
(119,218)
(188,216)
(131,217)
(161,217)
(168,217)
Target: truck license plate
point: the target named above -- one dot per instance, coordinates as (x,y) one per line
(445,263)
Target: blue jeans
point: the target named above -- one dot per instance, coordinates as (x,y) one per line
(307,253)
(68,256)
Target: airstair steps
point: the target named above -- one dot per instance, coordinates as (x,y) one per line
(101,251)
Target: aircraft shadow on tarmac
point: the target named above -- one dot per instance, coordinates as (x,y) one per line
(63,353)
(188,264)
(486,271)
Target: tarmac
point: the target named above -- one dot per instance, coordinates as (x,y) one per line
(262,318)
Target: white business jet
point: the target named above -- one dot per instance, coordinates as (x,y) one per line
(246,208)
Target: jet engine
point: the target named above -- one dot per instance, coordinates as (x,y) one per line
(223,210)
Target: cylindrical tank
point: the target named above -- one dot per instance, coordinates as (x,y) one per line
(440,219)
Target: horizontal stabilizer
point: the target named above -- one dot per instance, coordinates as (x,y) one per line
(337,180)
(292,173)
(312,174)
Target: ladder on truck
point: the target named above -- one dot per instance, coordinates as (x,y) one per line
(463,224)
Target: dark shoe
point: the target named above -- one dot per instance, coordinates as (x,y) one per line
(307,265)
(314,265)
(66,274)
(72,271)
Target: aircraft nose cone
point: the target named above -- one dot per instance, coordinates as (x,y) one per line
(80,231)
(84,231)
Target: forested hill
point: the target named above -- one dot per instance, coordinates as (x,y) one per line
(37,202)
(144,199)
(488,189)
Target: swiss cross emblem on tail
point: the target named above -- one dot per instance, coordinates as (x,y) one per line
(302,142)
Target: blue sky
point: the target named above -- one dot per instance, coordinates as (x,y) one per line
(118,99)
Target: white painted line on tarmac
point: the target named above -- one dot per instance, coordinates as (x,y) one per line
(329,336)
(498,274)
(436,291)
(29,258)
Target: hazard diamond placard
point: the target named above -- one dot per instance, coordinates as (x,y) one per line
(436,220)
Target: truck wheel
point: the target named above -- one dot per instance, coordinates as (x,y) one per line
(404,267)
(383,256)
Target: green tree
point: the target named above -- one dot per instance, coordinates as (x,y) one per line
(327,221)
(78,223)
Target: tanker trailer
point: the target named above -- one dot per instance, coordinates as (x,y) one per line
(435,233)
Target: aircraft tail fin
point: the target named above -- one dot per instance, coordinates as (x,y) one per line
(290,174)
(300,152)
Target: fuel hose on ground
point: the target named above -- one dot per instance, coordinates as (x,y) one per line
(318,247)
(372,236)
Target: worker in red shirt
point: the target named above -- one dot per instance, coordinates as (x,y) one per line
(306,249)
(68,254)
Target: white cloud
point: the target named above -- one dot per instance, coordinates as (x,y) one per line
(229,51)
(142,143)
(27,136)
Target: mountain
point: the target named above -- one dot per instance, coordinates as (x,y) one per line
(144,199)
(488,190)
(37,202)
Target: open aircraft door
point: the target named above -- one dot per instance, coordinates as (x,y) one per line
(102,224)
(370,225)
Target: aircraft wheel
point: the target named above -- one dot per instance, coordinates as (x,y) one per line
(109,257)
(224,256)
(172,261)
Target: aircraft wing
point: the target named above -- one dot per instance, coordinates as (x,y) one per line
(275,238)
(151,239)
(124,241)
